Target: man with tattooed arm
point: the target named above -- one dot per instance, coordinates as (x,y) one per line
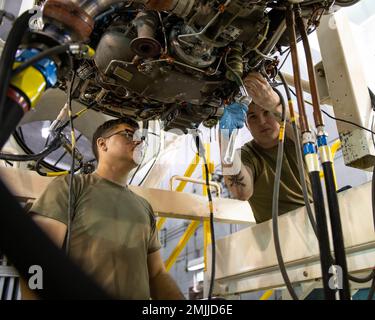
(253,180)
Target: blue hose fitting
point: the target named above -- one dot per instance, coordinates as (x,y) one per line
(46,66)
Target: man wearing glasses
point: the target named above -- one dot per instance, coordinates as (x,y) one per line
(114,236)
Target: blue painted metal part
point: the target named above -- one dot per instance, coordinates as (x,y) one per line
(322,141)
(308,148)
(46,65)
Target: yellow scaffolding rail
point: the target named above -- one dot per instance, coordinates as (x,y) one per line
(181,244)
(189,171)
(266,295)
(194,224)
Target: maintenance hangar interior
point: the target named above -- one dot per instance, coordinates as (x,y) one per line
(176,68)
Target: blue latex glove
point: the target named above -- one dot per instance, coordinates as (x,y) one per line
(234,117)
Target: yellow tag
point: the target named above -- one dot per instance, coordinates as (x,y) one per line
(281,133)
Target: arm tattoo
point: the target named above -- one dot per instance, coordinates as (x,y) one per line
(236,180)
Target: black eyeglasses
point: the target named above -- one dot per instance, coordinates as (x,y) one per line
(129,135)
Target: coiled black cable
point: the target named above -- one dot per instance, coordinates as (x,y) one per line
(52,146)
(362,280)
(44,174)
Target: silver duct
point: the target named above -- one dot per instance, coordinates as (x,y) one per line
(179,7)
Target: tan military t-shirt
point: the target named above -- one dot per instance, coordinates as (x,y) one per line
(262,162)
(113,231)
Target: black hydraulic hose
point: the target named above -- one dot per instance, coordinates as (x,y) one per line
(325,158)
(275,203)
(7,58)
(202,152)
(372,290)
(52,146)
(321,222)
(350,277)
(46,53)
(26,245)
(301,168)
(362,280)
(338,239)
(71,195)
(343,3)
(12,115)
(213,245)
(44,174)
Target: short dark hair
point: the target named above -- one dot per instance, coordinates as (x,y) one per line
(103,129)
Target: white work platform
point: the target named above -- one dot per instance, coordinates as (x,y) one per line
(246,260)
(26,184)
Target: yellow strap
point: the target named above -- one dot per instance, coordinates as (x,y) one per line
(55,174)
